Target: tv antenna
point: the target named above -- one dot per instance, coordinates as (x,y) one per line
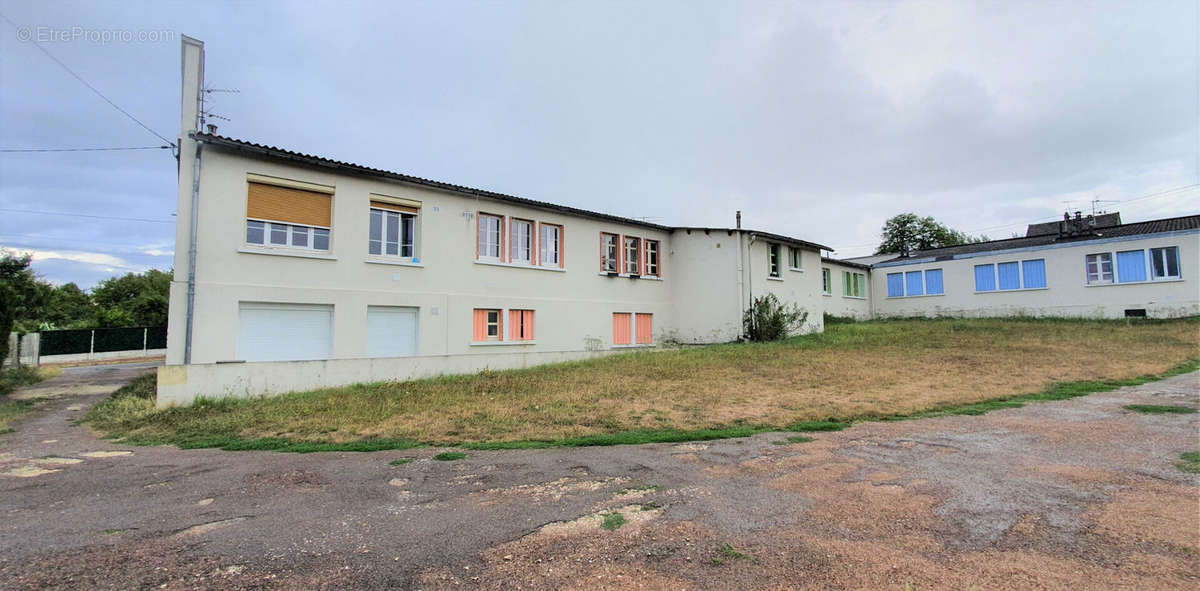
(207,101)
(1096,202)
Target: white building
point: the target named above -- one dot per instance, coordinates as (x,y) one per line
(295,271)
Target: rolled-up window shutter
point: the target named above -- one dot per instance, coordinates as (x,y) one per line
(394,207)
(285,204)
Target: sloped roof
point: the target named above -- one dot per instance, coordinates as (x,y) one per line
(759,233)
(1188,222)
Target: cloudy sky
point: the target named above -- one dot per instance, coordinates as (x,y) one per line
(817,120)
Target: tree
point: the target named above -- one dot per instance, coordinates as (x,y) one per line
(909,232)
(20,296)
(134,299)
(66,306)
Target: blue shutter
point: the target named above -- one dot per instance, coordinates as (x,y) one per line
(933,281)
(1010,275)
(912,284)
(1035,273)
(895,283)
(985,278)
(1131,266)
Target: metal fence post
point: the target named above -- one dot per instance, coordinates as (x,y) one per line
(92,346)
(145,333)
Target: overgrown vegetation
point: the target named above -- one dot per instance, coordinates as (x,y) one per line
(1160,409)
(401,461)
(768,319)
(10,380)
(879,370)
(728,552)
(794,439)
(450,456)
(1190,462)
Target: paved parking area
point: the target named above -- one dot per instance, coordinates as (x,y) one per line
(1078,493)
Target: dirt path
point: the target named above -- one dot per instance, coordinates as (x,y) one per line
(1070,494)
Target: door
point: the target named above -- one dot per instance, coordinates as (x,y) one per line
(391,331)
(284,332)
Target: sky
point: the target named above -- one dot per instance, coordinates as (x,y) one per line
(817,120)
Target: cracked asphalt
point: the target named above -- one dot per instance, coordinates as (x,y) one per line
(1070,494)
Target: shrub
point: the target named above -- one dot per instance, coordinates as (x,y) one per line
(768,319)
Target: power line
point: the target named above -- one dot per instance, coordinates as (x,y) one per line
(84,215)
(85,83)
(26,150)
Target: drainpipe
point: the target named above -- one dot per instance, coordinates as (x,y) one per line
(741,283)
(749,274)
(191,281)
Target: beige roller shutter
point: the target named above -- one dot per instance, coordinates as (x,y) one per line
(285,204)
(393,207)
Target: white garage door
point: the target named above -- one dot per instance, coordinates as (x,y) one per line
(284,332)
(391,331)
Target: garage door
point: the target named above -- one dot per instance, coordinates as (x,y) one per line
(284,332)
(391,331)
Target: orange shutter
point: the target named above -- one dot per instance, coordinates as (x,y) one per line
(645,329)
(480,325)
(621,328)
(528,324)
(514,325)
(284,204)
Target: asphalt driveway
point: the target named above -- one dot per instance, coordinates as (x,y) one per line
(1079,493)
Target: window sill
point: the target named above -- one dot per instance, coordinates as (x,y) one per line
(828,295)
(501,343)
(924,295)
(396,262)
(628,276)
(796,269)
(638,346)
(770,278)
(854,297)
(286,252)
(1147,282)
(1013,290)
(519,266)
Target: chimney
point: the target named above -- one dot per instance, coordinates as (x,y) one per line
(1078,214)
(212,129)
(739,219)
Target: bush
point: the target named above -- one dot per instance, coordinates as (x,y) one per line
(16,377)
(768,319)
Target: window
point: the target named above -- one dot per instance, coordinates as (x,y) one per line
(288,235)
(551,246)
(895,285)
(652,258)
(521,249)
(794,258)
(826,281)
(773,259)
(633,258)
(1131,266)
(621,332)
(392,230)
(644,329)
(933,282)
(520,325)
(608,253)
(491,237)
(1010,275)
(283,216)
(1099,268)
(985,278)
(853,284)
(1164,263)
(914,283)
(488,325)
(1033,273)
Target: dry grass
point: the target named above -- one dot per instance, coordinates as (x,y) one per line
(853,370)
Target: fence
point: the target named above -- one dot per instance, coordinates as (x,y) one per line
(86,344)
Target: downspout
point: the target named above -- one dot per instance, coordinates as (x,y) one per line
(191,281)
(750,273)
(741,283)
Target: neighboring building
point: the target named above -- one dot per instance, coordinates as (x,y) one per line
(295,271)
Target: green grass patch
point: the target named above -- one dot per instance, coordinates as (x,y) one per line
(809,426)
(1190,462)
(450,456)
(19,377)
(794,439)
(401,461)
(115,531)
(612,521)
(1160,409)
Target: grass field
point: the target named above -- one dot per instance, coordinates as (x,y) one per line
(11,379)
(881,369)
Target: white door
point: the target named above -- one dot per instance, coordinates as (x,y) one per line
(391,331)
(284,332)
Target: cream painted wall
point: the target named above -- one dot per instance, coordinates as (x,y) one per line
(703,277)
(571,308)
(1066,293)
(841,305)
(801,287)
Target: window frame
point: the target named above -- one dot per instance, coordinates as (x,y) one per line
(530,225)
(403,220)
(826,281)
(631,245)
(1100,260)
(795,258)
(483,240)
(1154,276)
(773,262)
(310,232)
(558,243)
(652,269)
(607,240)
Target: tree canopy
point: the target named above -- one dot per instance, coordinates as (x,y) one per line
(909,232)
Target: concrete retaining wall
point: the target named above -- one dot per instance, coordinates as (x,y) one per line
(179,385)
(78,357)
